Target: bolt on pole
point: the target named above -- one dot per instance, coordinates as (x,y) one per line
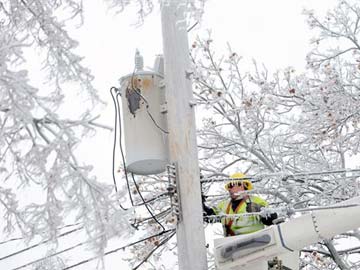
(182,137)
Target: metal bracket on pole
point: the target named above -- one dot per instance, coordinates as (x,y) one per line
(173,188)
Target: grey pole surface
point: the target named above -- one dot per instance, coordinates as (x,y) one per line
(182,137)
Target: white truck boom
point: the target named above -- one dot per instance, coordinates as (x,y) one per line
(283,242)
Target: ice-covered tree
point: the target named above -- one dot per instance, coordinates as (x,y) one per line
(44,186)
(279,127)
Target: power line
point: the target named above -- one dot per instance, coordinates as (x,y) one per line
(147,207)
(282,176)
(11,240)
(49,256)
(152,252)
(38,244)
(22,238)
(117,249)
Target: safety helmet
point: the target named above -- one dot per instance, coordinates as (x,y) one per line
(246,182)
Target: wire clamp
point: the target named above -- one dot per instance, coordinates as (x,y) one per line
(173,191)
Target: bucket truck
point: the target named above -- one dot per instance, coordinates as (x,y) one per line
(282,243)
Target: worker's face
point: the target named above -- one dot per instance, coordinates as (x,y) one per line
(235,190)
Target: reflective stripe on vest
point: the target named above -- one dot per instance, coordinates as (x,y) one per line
(228,225)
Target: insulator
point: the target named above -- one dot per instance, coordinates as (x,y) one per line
(139,61)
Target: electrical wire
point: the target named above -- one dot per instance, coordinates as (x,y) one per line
(282,176)
(138,92)
(161,214)
(145,204)
(192,27)
(88,260)
(152,252)
(22,238)
(158,197)
(117,112)
(11,240)
(118,249)
(114,145)
(40,243)
(49,256)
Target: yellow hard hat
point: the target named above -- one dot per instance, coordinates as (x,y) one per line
(246,182)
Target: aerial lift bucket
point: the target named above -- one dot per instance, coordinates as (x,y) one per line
(283,241)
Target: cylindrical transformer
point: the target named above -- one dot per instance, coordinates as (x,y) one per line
(144,122)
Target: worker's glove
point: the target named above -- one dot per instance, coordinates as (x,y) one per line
(253,207)
(207,211)
(267,217)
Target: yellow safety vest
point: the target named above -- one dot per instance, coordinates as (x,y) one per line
(243,224)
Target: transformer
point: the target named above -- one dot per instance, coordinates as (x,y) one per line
(144,118)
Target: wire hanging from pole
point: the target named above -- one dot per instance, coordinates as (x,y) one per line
(117,118)
(145,203)
(114,145)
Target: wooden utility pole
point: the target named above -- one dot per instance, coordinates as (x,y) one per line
(182,137)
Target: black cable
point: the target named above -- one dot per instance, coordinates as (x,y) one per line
(192,27)
(11,240)
(156,124)
(152,251)
(147,207)
(122,151)
(82,243)
(22,238)
(118,249)
(137,91)
(49,256)
(114,145)
(154,198)
(161,214)
(40,243)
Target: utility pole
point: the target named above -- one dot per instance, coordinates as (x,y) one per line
(182,137)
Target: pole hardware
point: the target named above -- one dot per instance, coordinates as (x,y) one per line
(172,189)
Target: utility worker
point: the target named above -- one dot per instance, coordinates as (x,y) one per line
(240,203)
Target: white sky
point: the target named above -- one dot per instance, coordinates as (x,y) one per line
(272,32)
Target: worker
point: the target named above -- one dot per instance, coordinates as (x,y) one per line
(240,203)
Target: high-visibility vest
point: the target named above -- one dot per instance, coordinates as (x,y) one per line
(243,224)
